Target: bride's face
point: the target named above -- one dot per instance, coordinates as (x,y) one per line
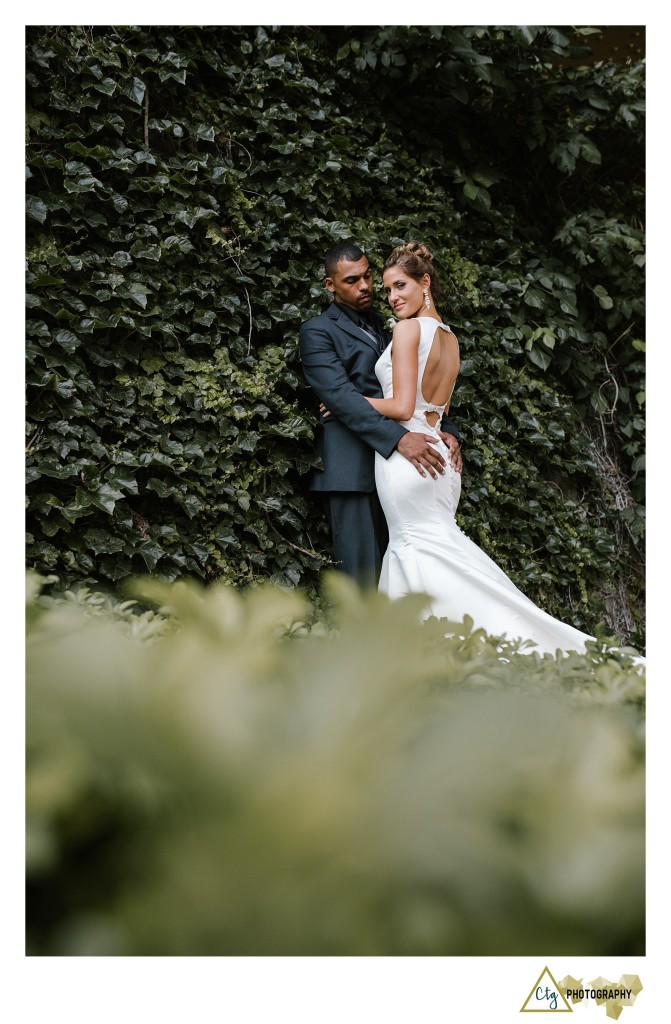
(405,294)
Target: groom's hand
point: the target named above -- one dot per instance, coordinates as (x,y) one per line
(416,448)
(450,441)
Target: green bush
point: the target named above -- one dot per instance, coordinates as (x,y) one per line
(229,775)
(183,184)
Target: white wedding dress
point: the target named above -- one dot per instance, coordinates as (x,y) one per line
(428,553)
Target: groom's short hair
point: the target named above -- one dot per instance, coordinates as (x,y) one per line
(345,251)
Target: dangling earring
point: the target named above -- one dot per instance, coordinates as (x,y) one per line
(427,304)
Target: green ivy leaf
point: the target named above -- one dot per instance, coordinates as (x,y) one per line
(135,90)
(604,298)
(36,209)
(540,358)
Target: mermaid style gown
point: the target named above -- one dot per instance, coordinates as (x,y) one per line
(429,554)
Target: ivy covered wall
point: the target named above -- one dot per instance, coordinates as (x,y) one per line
(182,186)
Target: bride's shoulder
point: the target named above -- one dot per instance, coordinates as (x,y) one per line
(406,330)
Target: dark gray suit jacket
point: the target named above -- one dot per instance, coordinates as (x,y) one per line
(339,364)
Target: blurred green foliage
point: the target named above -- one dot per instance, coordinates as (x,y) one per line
(182,186)
(250,775)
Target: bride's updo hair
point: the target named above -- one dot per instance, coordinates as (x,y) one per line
(416,260)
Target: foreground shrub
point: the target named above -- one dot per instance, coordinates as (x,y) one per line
(228,775)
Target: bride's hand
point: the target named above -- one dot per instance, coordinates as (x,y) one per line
(325,412)
(450,441)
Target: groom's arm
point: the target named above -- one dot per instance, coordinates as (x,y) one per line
(452,438)
(448,427)
(328,378)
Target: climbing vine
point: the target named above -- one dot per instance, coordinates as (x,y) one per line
(182,186)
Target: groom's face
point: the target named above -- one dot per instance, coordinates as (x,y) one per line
(352,284)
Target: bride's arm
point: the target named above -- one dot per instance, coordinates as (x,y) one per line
(404,368)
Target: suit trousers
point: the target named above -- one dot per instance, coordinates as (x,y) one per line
(359,533)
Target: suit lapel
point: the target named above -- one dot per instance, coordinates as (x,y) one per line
(348,325)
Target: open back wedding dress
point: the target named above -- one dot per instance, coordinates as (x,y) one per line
(428,553)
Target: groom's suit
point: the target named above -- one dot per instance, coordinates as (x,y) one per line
(339,357)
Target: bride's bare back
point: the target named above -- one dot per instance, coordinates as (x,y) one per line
(440,372)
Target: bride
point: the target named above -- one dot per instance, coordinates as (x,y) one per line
(427,552)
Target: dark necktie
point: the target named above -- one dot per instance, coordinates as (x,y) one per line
(369,328)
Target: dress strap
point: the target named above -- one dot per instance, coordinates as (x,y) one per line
(436,323)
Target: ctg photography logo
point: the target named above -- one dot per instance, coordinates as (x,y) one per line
(550,996)
(545,996)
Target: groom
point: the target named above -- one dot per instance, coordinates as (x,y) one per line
(339,349)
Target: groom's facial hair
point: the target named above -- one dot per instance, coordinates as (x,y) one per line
(352,284)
